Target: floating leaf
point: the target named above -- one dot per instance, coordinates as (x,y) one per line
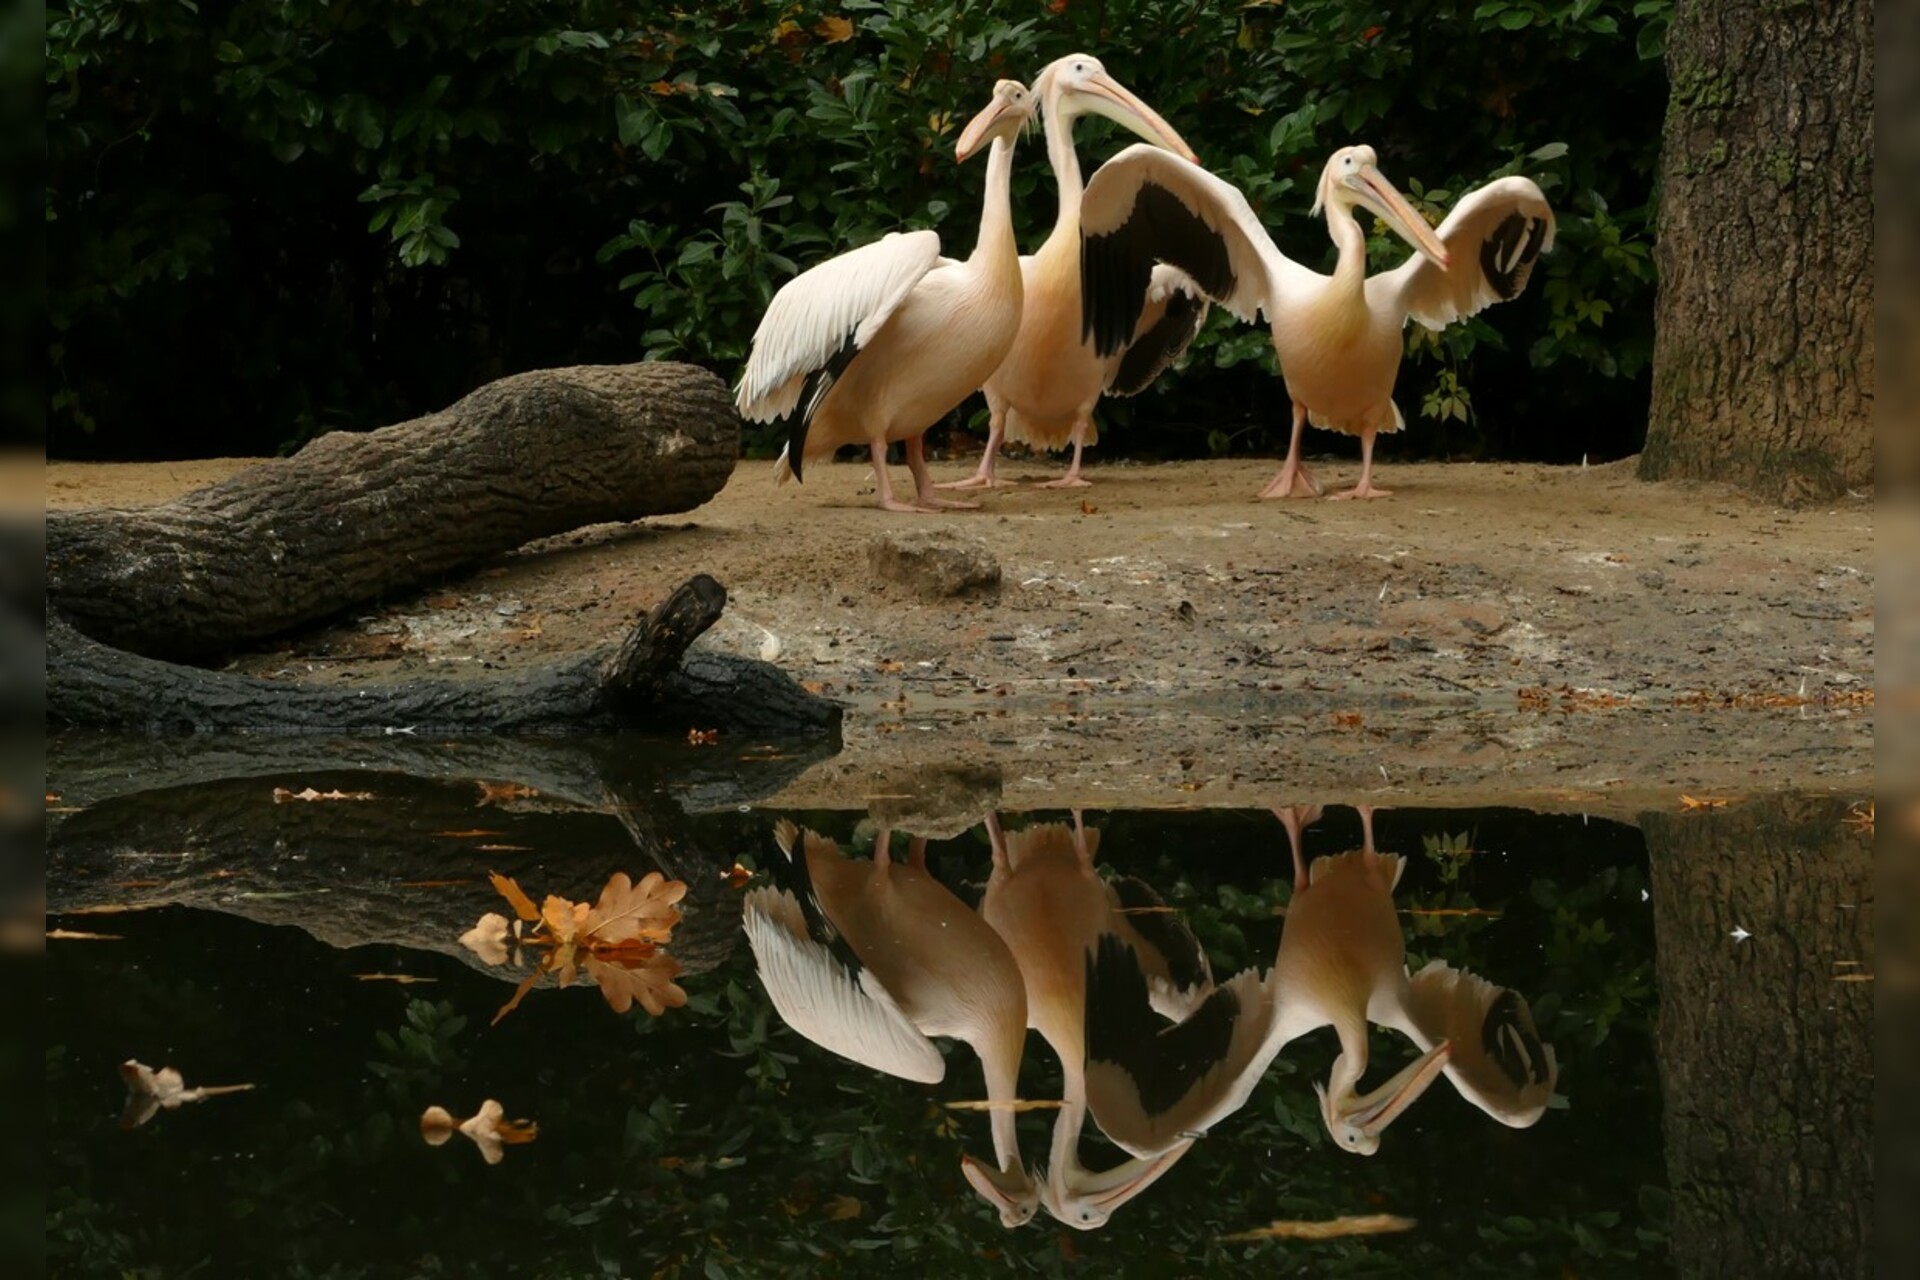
(80,935)
(1365,1224)
(488,938)
(282,795)
(1016,1105)
(628,912)
(488,1128)
(495,792)
(148,1091)
(1692,804)
(401,979)
(516,896)
(647,979)
(834,30)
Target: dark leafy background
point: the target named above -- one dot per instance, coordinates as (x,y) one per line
(713,1141)
(271,219)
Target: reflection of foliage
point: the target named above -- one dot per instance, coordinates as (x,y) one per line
(746,1151)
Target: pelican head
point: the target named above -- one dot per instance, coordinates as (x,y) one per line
(1012,1191)
(1353,178)
(1356,1121)
(1009,112)
(1085,1200)
(1078,85)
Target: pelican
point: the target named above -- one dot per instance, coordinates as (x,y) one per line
(1047,901)
(869,959)
(1338,337)
(883,341)
(1499,1062)
(1044,392)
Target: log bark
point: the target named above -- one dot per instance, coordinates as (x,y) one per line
(356,516)
(1766,1043)
(633,684)
(1764,351)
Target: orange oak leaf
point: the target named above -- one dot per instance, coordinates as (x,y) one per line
(516,896)
(647,980)
(629,912)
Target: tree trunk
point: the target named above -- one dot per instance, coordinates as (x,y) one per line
(1766,1042)
(1763,350)
(355,516)
(634,684)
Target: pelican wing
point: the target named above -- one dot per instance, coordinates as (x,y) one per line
(1188,975)
(1151,1084)
(1148,206)
(820,319)
(1499,1062)
(1173,315)
(1494,236)
(837,1005)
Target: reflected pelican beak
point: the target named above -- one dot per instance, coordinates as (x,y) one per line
(1100,1195)
(1385,199)
(982,128)
(1103,95)
(1375,1111)
(1012,1192)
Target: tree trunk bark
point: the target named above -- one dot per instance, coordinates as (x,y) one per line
(355,516)
(1763,348)
(1766,1042)
(632,684)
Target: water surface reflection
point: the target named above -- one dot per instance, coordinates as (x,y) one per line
(715,1139)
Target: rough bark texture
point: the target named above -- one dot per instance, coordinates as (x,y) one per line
(632,684)
(197,824)
(355,516)
(1763,355)
(1766,1049)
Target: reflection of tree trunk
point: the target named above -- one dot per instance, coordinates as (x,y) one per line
(1766,1053)
(408,866)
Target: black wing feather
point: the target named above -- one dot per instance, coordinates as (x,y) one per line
(1165,1061)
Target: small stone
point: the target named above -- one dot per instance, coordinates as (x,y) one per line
(934,563)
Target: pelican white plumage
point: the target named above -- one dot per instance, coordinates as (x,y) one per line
(1047,900)
(869,959)
(1045,391)
(1499,1063)
(1338,337)
(880,342)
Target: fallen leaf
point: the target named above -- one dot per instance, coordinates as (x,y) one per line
(403,979)
(702,737)
(503,848)
(1348,719)
(844,1209)
(834,30)
(635,912)
(1691,804)
(1144,911)
(80,935)
(889,667)
(1088,509)
(648,980)
(488,938)
(516,896)
(1853,977)
(1859,819)
(737,878)
(1016,1105)
(1366,1224)
(282,795)
(495,792)
(468,835)
(148,1091)
(488,1128)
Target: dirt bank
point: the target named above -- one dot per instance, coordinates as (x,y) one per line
(1553,635)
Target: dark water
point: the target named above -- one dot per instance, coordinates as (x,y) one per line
(713,1140)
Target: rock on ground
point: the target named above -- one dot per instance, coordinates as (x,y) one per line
(935,563)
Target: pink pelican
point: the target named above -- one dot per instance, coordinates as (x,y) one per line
(1338,337)
(884,340)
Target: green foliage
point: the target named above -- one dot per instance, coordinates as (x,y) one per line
(265,219)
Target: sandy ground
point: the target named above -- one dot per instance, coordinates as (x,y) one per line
(1564,636)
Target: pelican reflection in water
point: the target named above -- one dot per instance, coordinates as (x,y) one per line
(869,959)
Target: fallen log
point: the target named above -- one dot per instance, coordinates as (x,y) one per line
(634,684)
(356,516)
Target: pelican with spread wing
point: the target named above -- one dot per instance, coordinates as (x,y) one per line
(1045,391)
(883,341)
(1338,337)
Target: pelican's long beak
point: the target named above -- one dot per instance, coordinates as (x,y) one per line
(1385,199)
(1011,1191)
(1106,96)
(981,128)
(1105,1193)
(1376,1110)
